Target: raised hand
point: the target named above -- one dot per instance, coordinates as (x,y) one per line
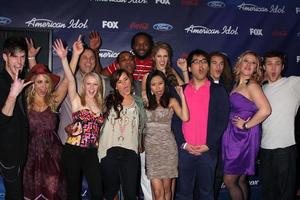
(32,51)
(179,91)
(17,85)
(182,64)
(78,46)
(61,51)
(94,40)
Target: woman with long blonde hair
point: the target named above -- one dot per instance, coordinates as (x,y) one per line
(43,175)
(241,139)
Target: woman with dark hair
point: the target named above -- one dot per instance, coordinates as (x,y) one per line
(241,139)
(121,137)
(160,145)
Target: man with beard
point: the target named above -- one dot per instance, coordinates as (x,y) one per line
(141,44)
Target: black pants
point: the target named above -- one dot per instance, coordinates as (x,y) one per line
(218,177)
(78,160)
(12,179)
(120,166)
(278,173)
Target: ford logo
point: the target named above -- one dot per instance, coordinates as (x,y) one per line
(162,27)
(216,4)
(4,20)
(298,34)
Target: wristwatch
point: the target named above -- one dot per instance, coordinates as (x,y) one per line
(245,126)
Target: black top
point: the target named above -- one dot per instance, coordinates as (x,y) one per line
(13,129)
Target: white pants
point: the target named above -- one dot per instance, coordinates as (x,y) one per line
(145,182)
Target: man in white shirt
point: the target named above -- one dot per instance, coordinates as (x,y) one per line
(278,149)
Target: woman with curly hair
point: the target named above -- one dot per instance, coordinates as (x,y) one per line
(43,176)
(241,139)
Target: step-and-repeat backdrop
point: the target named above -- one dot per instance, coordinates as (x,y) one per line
(228,26)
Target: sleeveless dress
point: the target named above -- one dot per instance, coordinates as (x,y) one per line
(160,145)
(43,177)
(240,147)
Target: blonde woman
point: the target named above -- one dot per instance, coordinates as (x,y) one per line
(43,174)
(241,139)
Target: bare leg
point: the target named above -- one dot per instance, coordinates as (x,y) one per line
(244,186)
(157,189)
(167,184)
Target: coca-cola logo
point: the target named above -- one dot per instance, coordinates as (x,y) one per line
(139,26)
(190,2)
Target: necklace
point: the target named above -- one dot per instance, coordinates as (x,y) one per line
(39,107)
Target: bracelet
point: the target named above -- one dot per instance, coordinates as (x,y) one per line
(31,58)
(245,126)
(184,71)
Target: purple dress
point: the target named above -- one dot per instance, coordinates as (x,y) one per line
(240,147)
(43,177)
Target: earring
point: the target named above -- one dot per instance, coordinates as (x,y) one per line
(152,92)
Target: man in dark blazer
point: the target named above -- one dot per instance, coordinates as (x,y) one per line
(199,139)
(13,117)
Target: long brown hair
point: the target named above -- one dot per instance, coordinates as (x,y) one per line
(169,73)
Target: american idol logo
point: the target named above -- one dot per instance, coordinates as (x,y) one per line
(5,20)
(44,23)
(248,7)
(106,53)
(201,30)
(216,4)
(226,30)
(162,27)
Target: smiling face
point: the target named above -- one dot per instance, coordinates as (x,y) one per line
(141,47)
(87,61)
(42,85)
(161,59)
(157,86)
(123,85)
(273,67)
(91,86)
(126,61)
(14,62)
(216,67)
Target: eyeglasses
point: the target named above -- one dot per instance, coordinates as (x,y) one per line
(198,62)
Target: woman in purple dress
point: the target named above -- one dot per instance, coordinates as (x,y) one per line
(241,139)
(43,176)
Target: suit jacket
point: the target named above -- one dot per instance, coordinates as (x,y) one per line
(13,129)
(218,115)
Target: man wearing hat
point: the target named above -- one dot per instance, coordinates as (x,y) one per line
(13,118)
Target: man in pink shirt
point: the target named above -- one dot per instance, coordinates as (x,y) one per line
(199,138)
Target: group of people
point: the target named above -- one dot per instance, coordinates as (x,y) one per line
(138,121)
